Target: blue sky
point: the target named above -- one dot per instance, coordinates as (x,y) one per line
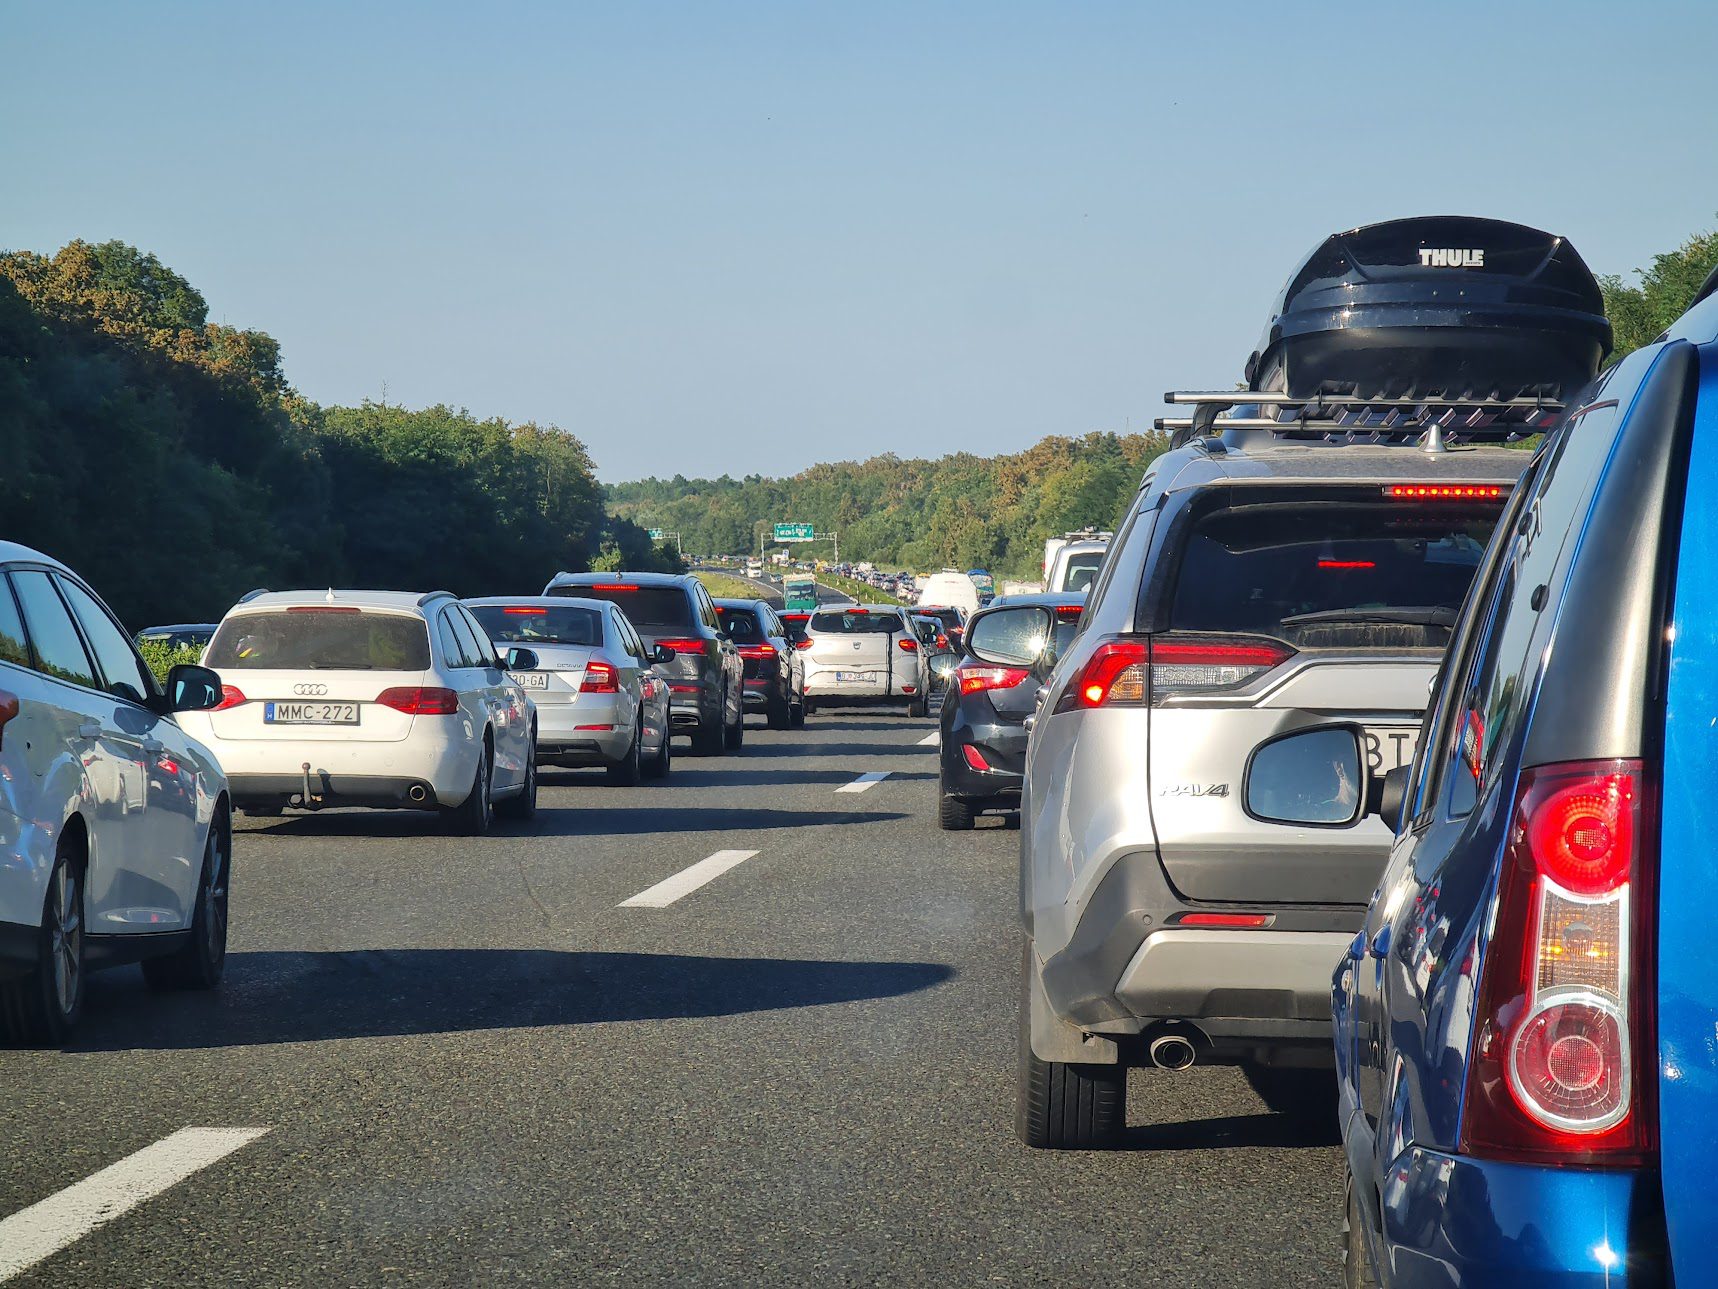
(714,237)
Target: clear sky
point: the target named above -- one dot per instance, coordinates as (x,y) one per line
(747,237)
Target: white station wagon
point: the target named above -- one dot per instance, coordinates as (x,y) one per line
(383,699)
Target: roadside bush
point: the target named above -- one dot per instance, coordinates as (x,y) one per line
(162,657)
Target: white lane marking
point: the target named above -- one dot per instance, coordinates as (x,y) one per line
(931,739)
(687,880)
(34,1233)
(864,781)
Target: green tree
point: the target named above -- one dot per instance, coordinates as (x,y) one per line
(1640,311)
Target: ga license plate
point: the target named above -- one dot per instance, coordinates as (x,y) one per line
(529,679)
(1387,747)
(310,713)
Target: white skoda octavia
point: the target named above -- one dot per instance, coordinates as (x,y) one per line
(370,698)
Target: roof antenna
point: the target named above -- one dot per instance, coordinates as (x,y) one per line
(329,598)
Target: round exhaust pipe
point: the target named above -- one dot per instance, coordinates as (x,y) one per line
(416,792)
(1171,1052)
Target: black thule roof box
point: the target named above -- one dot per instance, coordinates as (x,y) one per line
(1444,307)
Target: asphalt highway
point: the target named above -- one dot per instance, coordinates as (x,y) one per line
(488,1061)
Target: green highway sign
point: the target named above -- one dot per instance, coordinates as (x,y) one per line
(794,533)
(655,534)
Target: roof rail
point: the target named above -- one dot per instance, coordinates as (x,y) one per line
(427,596)
(1431,422)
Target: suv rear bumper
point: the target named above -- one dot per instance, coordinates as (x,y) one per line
(1231,976)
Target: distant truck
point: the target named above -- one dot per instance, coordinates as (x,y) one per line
(949,589)
(985,583)
(799,593)
(754,568)
(1053,545)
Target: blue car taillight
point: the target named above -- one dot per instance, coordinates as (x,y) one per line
(1563,1021)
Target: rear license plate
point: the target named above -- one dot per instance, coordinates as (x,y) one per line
(310,713)
(529,679)
(854,677)
(1387,749)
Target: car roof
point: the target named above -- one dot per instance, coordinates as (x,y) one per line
(396,601)
(17,553)
(539,602)
(739,604)
(1044,599)
(868,608)
(174,628)
(636,579)
(1082,546)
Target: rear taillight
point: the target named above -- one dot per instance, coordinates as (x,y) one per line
(678,645)
(231,696)
(974,757)
(942,641)
(1129,671)
(8,712)
(907,646)
(975,679)
(1562,1030)
(420,700)
(757,651)
(601,677)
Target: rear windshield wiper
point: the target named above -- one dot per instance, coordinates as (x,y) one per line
(1412,616)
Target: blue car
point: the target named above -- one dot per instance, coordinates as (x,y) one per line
(1526,1027)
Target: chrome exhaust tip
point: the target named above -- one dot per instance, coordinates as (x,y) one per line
(1171,1052)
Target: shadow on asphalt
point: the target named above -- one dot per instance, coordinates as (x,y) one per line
(571,821)
(742,778)
(311,997)
(853,750)
(1313,1125)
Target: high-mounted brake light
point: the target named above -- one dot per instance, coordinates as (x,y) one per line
(1347,563)
(1561,1035)
(907,645)
(420,700)
(231,696)
(975,679)
(601,677)
(613,586)
(1445,491)
(525,611)
(1068,612)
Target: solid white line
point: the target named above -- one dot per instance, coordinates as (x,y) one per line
(864,781)
(687,880)
(931,739)
(45,1228)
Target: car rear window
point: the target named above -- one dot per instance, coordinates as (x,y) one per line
(795,624)
(654,610)
(1082,570)
(855,623)
(950,618)
(1323,575)
(741,625)
(532,624)
(320,640)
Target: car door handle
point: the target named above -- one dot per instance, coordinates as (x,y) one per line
(153,747)
(1381,942)
(90,730)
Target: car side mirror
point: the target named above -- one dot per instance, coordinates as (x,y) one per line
(662,655)
(943,666)
(191,688)
(517,659)
(1391,793)
(1315,777)
(1013,636)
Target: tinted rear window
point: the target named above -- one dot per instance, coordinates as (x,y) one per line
(536,624)
(1082,570)
(1333,576)
(741,625)
(654,610)
(855,624)
(950,618)
(318,640)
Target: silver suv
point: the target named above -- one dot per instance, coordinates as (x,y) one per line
(1261,583)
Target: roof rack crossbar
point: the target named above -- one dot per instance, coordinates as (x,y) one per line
(1338,417)
(1271,398)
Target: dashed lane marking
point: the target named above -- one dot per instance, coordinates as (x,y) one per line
(865,781)
(34,1233)
(931,739)
(687,880)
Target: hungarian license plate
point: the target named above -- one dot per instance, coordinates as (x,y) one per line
(530,679)
(1388,747)
(310,713)
(854,677)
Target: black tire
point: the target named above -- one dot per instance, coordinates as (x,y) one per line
(626,772)
(797,714)
(42,1008)
(522,805)
(734,736)
(780,714)
(917,709)
(657,766)
(1060,1106)
(201,961)
(709,738)
(473,817)
(953,813)
(1357,1269)
(1306,1093)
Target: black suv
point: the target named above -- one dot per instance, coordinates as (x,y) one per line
(774,676)
(706,687)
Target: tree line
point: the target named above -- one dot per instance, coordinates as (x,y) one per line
(168,460)
(995,512)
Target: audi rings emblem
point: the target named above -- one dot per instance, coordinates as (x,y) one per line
(310,691)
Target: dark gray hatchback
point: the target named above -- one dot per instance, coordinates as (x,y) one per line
(706,693)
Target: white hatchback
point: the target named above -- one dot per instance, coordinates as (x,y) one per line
(370,698)
(862,654)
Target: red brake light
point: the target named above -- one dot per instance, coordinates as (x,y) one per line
(1069,612)
(975,679)
(1223,919)
(856,609)
(974,757)
(1114,674)
(677,645)
(525,611)
(231,696)
(420,700)
(757,651)
(907,645)
(601,677)
(323,608)
(612,586)
(1347,563)
(1561,1036)
(1445,491)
